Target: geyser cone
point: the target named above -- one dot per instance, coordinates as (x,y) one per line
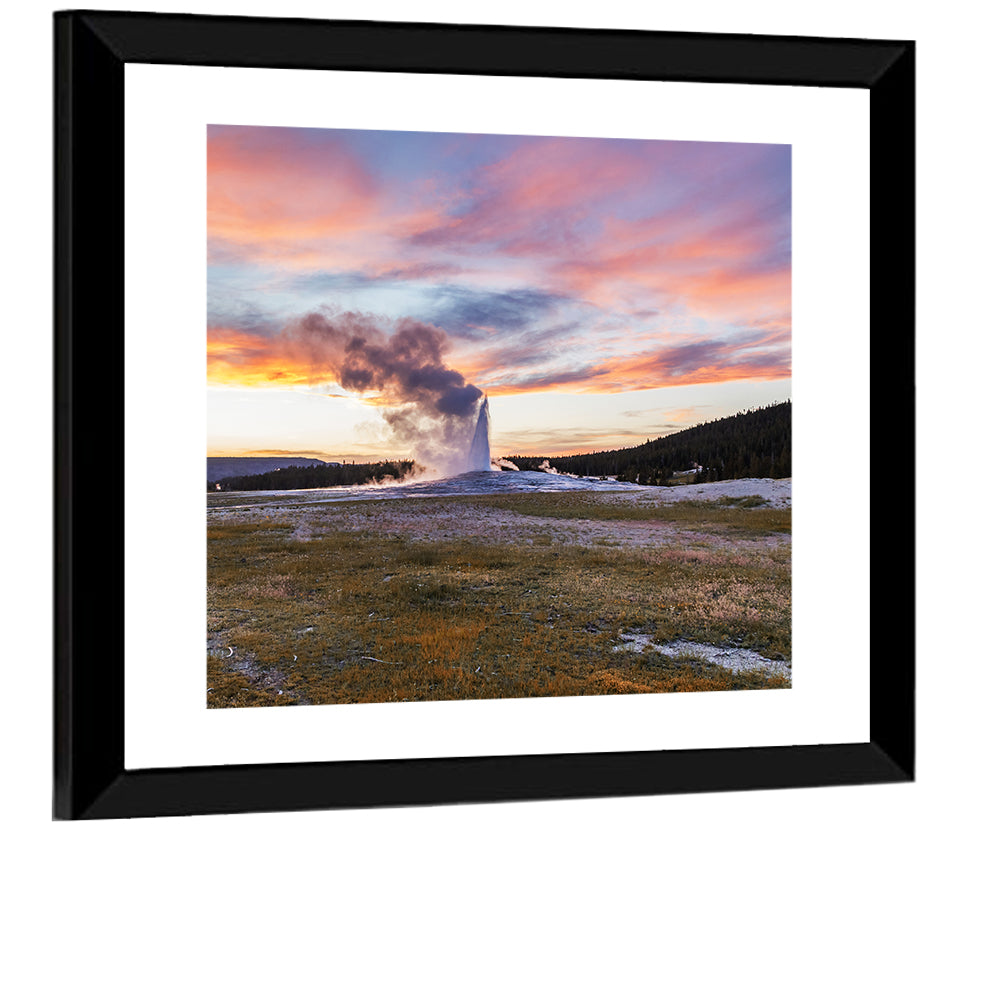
(479,452)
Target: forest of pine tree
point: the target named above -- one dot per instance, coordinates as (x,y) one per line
(751,444)
(305,477)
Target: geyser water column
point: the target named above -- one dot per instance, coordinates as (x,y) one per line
(479,451)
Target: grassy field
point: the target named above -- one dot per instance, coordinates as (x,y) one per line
(362,602)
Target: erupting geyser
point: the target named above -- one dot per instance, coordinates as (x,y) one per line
(479,452)
(429,407)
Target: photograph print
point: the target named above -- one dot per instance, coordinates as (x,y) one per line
(495,416)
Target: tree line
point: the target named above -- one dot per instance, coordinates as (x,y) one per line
(751,444)
(307,477)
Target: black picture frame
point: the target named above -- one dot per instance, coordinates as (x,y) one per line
(91,51)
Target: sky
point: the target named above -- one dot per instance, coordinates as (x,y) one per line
(366,288)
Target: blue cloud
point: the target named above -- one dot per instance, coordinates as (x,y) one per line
(464,311)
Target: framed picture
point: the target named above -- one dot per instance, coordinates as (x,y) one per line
(502,330)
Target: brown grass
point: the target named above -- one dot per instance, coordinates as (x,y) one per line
(363,616)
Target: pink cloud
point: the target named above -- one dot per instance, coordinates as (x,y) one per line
(538,199)
(275,183)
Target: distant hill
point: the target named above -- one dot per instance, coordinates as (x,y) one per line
(222,468)
(750,444)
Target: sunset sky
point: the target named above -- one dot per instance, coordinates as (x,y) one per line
(601,292)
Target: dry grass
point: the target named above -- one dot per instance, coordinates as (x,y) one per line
(630,507)
(332,615)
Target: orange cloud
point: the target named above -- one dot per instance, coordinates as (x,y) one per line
(721,293)
(236,357)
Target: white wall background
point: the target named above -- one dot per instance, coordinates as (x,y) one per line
(852,892)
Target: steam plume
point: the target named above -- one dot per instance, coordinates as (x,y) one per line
(430,408)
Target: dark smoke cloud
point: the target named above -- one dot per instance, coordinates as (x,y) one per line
(429,407)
